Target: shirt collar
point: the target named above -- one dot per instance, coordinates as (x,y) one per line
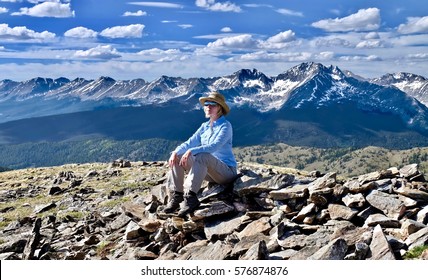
(218,121)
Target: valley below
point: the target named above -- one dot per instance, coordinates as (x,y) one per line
(346,162)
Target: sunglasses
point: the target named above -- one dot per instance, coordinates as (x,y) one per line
(210,103)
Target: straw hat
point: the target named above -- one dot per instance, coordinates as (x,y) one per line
(217,98)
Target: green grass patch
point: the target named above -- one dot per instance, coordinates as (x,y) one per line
(110,204)
(415,253)
(77,215)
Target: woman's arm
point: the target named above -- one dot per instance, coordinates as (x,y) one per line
(193,141)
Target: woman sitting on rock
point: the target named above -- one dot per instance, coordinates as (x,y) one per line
(206,155)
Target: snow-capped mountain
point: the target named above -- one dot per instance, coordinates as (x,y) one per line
(324,99)
(307,82)
(414,85)
(20,91)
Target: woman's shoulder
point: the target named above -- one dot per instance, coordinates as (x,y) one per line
(224,122)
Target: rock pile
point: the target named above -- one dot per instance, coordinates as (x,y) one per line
(268,213)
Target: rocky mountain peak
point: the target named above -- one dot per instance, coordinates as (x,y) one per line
(247,74)
(400,76)
(414,85)
(106,79)
(303,72)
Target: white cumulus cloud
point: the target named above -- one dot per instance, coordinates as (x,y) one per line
(3,10)
(363,20)
(360,58)
(278,41)
(158,55)
(23,33)
(370,44)
(138,13)
(325,55)
(99,52)
(127,31)
(372,35)
(47,9)
(226,29)
(240,41)
(159,52)
(414,25)
(283,37)
(212,5)
(81,32)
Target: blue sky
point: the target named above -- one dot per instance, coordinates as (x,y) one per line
(207,38)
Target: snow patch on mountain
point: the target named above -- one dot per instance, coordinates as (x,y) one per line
(414,85)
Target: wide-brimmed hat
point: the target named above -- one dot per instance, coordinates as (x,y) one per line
(217,98)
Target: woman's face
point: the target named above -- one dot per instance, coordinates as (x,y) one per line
(211,110)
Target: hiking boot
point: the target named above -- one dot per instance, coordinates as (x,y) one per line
(191,202)
(174,203)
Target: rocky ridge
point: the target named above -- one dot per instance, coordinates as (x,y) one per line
(113,211)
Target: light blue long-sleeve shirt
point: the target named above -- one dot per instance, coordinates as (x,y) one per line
(216,140)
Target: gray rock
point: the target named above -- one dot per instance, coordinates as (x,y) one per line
(222,227)
(341,212)
(217,251)
(277,182)
(409,227)
(382,220)
(133,231)
(334,250)
(379,247)
(419,238)
(282,255)
(245,243)
(258,251)
(361,250)
(43,208)
(33,241)
(296,191)
(261,225)
(390,205)
(413,193)
(120,221)
(214,209)
(422,215)
(354,200)
(410,170)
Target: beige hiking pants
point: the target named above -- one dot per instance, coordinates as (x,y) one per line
(203,166)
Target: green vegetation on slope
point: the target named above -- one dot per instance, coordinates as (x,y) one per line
(345,161)
(97,150)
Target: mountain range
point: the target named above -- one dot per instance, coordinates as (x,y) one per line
(308,105)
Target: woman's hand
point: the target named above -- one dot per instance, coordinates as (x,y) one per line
(173,159)
(184,158)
